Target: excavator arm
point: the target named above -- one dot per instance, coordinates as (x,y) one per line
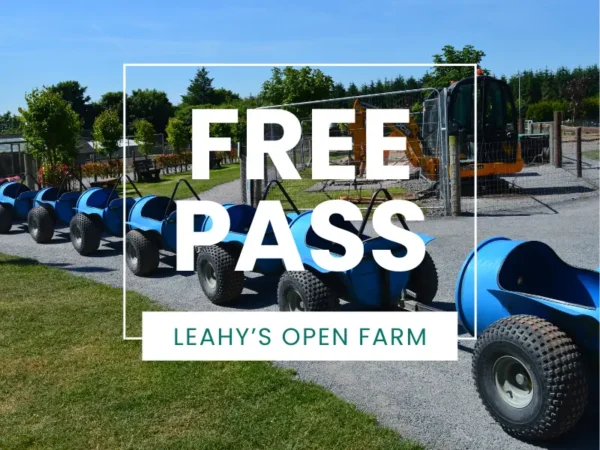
(410,131)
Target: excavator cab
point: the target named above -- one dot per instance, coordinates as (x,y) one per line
(498,150)
(497,137)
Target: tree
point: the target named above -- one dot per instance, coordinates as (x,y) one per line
(144,136)
(338,90)
(151,105)
(178,134)
(443,76)
(50,127)
(575,92)
(107,132)
(9,123)
(352,90)
(110,100)
(75,94)
(221,96)
(544,111)
(200,90)
(292,85)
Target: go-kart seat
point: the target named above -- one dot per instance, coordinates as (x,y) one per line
(156,207)
(240,218)
(534,268)
(316,241)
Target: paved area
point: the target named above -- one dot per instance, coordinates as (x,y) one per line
(434,403)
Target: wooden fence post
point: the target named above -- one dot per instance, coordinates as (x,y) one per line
(454,176)
(521,126)
(557,139)
(578,152)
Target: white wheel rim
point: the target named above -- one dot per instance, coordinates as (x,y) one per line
(294,300)
(513,381)
(209,273)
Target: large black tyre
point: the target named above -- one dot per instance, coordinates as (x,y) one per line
(6,217)
(141,254)
(530,377)
(423,281)
(305,291)
(218,279)
(41,224)
(85,234)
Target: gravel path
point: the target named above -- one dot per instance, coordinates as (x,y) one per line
(434,403)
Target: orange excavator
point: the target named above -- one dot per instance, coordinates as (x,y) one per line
(498,147)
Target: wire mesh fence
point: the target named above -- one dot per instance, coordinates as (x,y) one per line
(549,175)
(425,153)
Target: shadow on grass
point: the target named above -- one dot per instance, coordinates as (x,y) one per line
(17,261)
(80,269)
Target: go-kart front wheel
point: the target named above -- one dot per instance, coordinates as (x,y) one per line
(217,275)
(41,224)
(6,217)
(305,291)
(141,253)
(423,281)
(85,234)
(530,377)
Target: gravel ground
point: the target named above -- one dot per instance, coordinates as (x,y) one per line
(434,403)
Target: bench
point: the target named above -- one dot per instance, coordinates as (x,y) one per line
(215,161)
(109,183)
(145,171)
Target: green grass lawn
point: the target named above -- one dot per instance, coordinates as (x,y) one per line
(592,154)
(165,187)
(68,381)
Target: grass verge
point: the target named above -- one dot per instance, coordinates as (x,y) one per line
(165,187)
(67,380)
(592,154)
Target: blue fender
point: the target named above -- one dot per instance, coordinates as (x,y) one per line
(63,206)
(148,214)
(10,191)
(527,277)
(24,203)
(112,216)
(19,196)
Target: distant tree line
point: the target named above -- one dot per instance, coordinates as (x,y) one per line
(149,111)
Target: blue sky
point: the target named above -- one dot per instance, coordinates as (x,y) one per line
(44,42)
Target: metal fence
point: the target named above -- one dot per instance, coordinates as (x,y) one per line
(549,175)
(428,185)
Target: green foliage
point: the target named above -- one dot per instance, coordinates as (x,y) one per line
(590,108)
(75,94)
(107,132)
(544,111)
(50,127)
(443,76)
(201,91)
(178,134)
(575,92)
(291,85)
(563,84)
(151,105)
(110,100)
(144,136)
(9,123)
(237,131)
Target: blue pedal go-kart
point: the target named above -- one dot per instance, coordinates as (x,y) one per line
(314,289)
(537,323)
(152,226)
(99,210)
(53,207)
(16,200)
